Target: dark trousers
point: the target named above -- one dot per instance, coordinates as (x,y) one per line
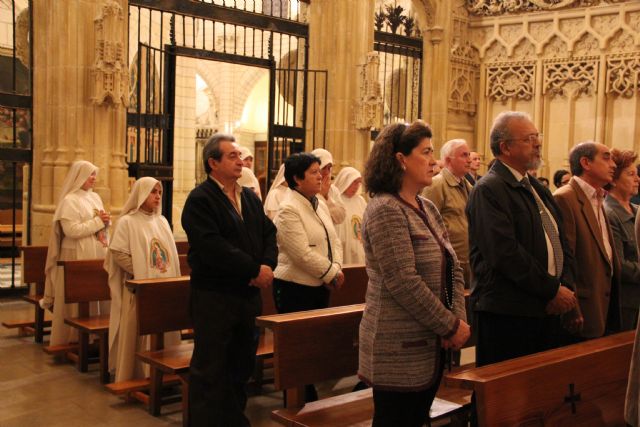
(290,297)
(223,357)
(502,337)
(405,409)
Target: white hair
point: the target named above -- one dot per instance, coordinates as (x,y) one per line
(450,147)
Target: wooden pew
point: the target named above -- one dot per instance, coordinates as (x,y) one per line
(355,286)
(34,259)
(163,306)
(182,246)
(330,352)
(86,281)
(578,385)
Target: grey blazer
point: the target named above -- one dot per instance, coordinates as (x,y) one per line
(405,315)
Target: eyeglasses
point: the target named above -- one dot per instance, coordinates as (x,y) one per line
(532,139)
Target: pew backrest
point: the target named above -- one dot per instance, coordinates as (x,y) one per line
(85,281)
(183,247)
(163,305)
(355,286)
(185,269)
(326,340)
(34,260)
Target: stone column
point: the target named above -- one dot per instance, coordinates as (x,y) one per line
(341,35)
(435,74)
(79,96)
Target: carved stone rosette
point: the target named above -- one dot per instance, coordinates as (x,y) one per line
(623,75)
(109,72)
(369,110)
(511,80)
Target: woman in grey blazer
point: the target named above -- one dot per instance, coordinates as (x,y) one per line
(621,214)
(415,299)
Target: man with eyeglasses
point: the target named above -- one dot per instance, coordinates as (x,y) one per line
(588,232)
(522,268)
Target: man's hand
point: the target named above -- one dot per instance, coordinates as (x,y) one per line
(459,338)
(326,185)
(573,321)
(264,278)
(564,301)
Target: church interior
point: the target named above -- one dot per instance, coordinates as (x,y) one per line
(137,87)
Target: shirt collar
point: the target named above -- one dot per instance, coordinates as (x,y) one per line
(589,190)
(517,175)
(451,179)
(237,187)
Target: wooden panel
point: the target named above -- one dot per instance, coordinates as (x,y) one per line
(85,281)
(354,289)
(268,304)
(93,325)
(185,270)
(183,247)
(162,306)
(172,360)
(33,262)
(333,345)
(540,387)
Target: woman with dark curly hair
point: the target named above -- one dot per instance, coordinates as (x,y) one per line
(621,214)
(415,299)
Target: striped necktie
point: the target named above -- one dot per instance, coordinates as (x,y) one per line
(548,226)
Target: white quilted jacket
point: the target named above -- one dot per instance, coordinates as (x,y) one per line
(302,242)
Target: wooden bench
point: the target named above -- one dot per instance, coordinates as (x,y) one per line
(182,246)
(330,352)
(86,281)
(34,259)
(578,385)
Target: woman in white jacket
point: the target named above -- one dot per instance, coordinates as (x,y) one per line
(310,253)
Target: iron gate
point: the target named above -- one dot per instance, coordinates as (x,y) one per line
(261,33)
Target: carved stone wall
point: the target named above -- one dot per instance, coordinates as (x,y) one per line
(576,70)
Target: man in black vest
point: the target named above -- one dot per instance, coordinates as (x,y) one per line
(232,253)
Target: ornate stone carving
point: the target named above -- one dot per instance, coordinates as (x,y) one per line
(500,7)
(524,51)
(623,75)
(556,48)
(496,52)
(22,37)
(571,27)
(462,88)
(109,72)
(587,45)
(507,81)
(634,20)
(510,33)
(604,24)
(540,30)
(369,111)
(570,79)
(621,42)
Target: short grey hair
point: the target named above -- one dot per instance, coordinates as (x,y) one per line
(587,149)
(211,149)
(450,147)
(500,129)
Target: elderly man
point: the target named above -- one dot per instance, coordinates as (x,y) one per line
(232,252)
(330,194)
(449,191)
(591,242)
(520,260)
(473,176)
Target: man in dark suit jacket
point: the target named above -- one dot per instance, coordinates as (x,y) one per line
(232,252)
(591,241)
(521,265)
(473,176)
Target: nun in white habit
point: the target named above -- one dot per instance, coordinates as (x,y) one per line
(332,195)
(142,247)
(276,195)
(79,232)
(348,184)
(249,180)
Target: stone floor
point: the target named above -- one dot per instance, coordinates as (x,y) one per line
(37,391)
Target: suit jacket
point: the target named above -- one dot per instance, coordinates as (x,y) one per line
(451,200)
(508,248)
(596,278)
